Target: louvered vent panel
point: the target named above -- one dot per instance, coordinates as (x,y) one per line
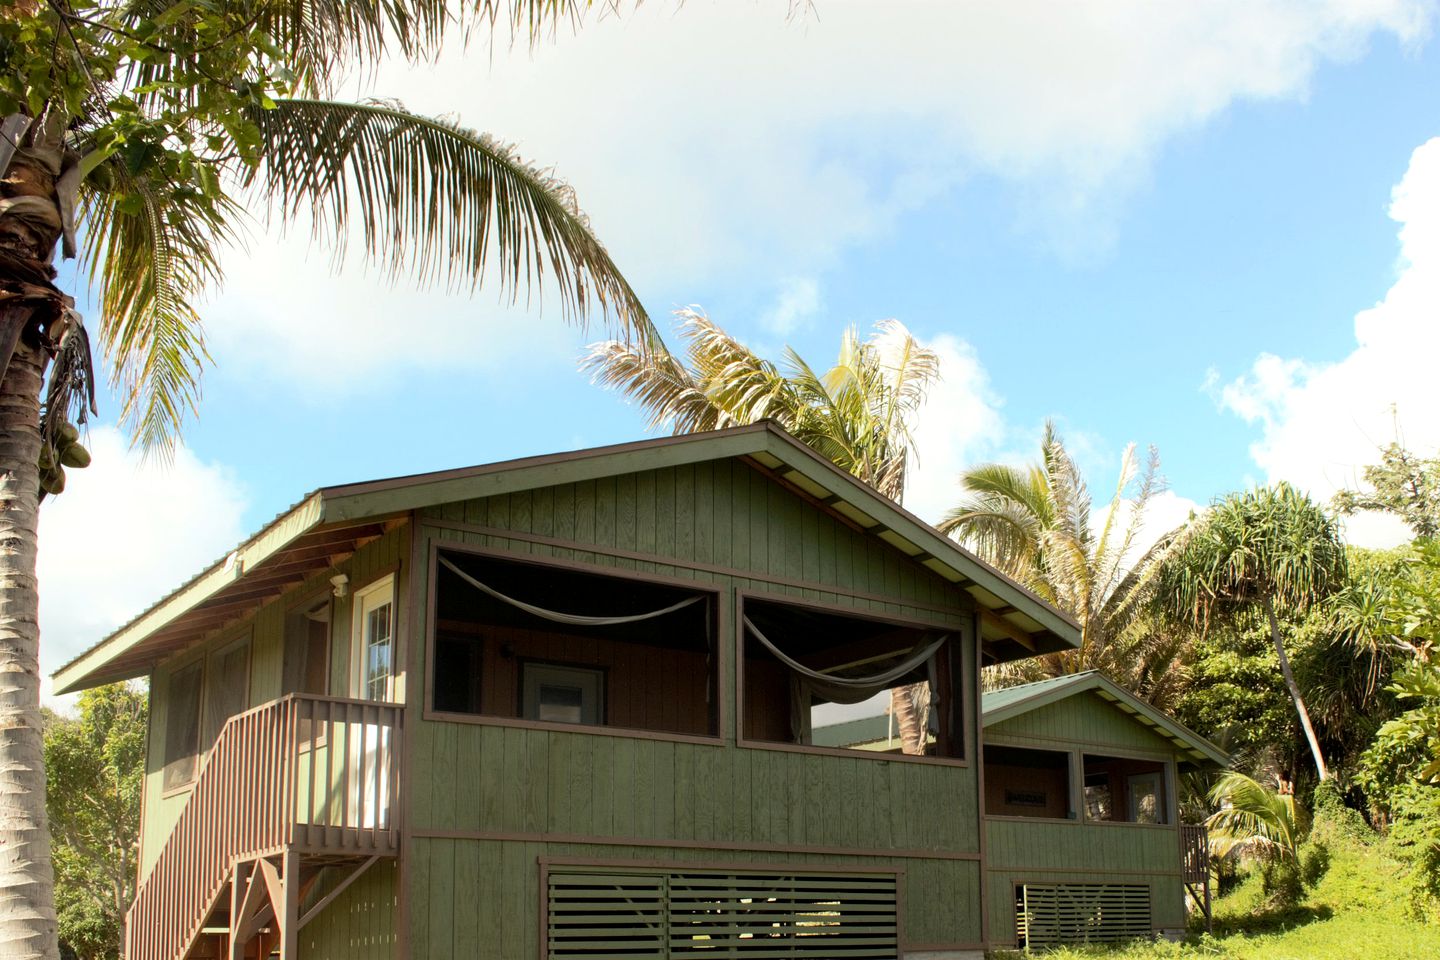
(731,916)
(1051,914)
(603,916)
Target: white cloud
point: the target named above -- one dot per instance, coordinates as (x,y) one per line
(286,316)
(723,142)
(798,301)
(1321,423)
(960,425)
(124,534)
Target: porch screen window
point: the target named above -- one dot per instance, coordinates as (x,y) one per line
(182,725)
(1126,790)
(306,667)
(227,688)
(537,643)
(1021,782)
(827,678)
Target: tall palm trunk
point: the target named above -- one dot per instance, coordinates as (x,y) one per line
(907,718)
(1294,689)
(27,913)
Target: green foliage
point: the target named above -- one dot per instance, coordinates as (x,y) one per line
(1356,907)
(1268,544)
(95,768)
(1403,484)
(1255,821)
(1237,698)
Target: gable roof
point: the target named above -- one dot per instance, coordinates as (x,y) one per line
(1000,705)
(332,522)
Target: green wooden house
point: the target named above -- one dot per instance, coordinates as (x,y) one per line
(567,707)
(1083,838)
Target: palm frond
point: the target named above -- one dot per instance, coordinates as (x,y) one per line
(1253,819)
(152,254)
(658,382)
(432,200)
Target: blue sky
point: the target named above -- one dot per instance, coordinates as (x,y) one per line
(1109,221)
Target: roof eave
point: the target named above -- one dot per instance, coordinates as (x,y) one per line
(308,514)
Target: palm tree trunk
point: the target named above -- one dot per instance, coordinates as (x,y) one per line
(1295,690)
(902,705)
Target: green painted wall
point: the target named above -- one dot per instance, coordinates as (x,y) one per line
(476,899)
(1039,851)
(266,630)
(479,897)
(1085,718)
(360,924)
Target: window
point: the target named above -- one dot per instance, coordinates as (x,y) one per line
(227,688)
(562,694)
(1020,782)
(182,725)
(306,667)
(1125,790)
(549,644)
(374,640)
(827,678)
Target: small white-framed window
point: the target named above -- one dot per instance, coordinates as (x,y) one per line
(373,644)
(559,694)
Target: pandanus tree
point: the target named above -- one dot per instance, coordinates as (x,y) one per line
(858,414)
(139,135)
(1270,550)
(1038,524)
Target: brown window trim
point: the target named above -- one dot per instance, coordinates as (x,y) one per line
(968,682)
(714,591)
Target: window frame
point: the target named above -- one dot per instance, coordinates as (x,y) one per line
(968,676)
(358,681)
(719,627)
(168,789)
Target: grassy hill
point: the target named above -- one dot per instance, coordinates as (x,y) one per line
(1359,906)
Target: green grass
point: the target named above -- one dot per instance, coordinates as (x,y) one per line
(1359,907)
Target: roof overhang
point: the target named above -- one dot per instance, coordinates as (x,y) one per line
(334,521)
(1194,747)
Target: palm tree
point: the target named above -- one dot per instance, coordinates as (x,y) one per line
(144,128)
(1252,820)
(857,414)
(1037,524)
(1268,548)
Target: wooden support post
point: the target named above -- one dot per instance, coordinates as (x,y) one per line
(238,886)
(288,912)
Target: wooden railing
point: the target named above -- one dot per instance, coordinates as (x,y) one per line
(1194,853)
(315,773)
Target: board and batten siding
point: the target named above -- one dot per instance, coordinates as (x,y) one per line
(1048,851)
(266,632)
(486,802)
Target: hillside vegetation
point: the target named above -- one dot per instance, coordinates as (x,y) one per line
(1361,902)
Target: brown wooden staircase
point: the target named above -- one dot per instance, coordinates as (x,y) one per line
(1195,867)
(296,798)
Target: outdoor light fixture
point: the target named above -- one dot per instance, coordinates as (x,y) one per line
(341,583)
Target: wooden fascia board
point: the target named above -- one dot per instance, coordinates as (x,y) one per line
(929,541)
(263,545)
(392,496)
